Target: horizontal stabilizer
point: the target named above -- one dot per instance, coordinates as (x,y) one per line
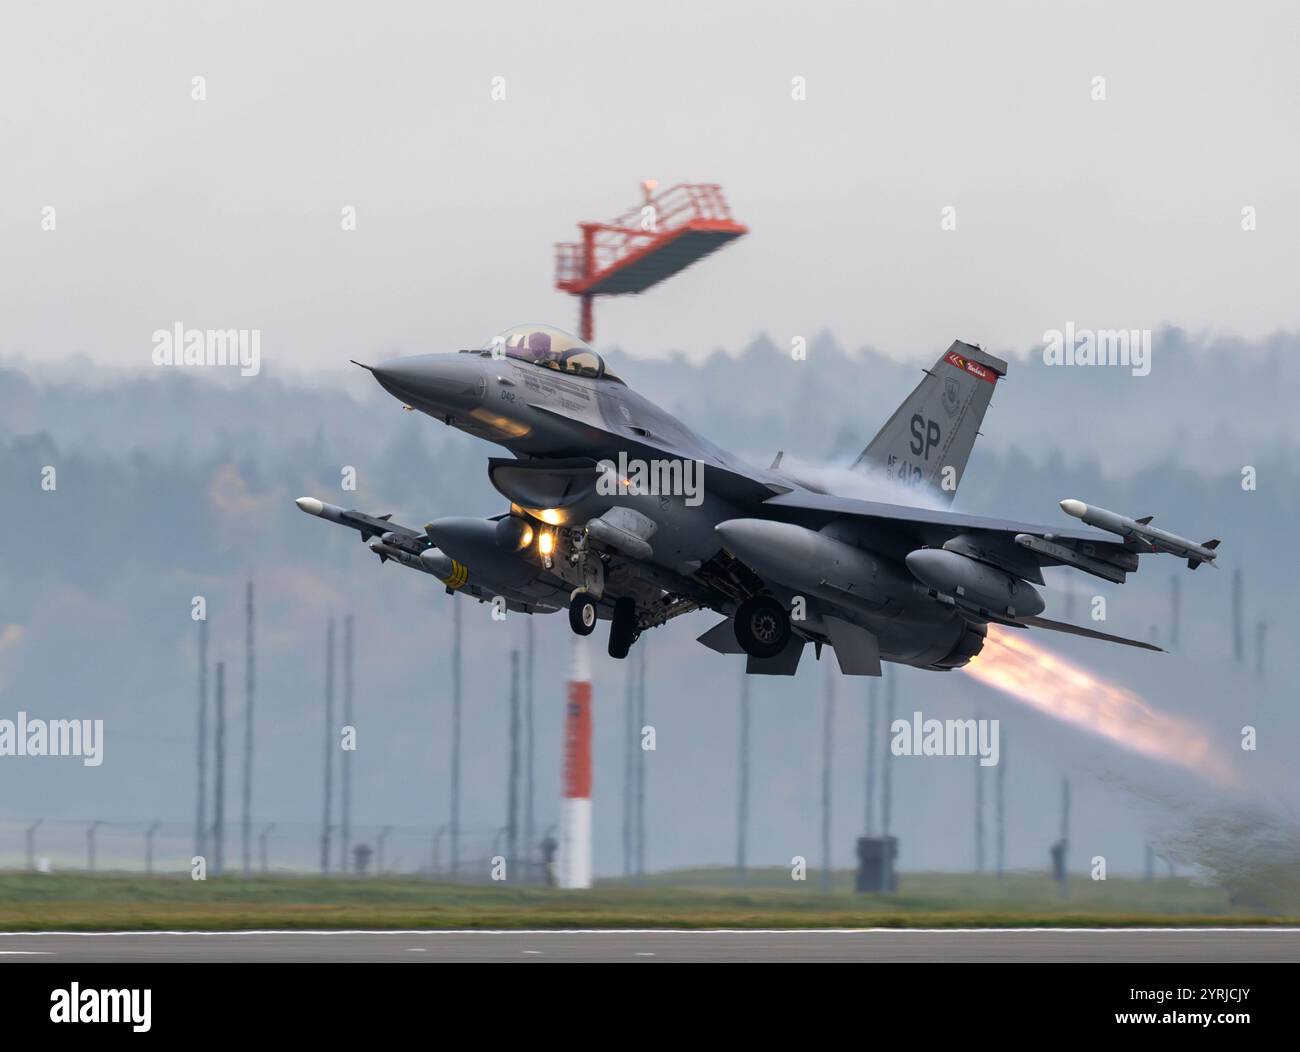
(1090,633)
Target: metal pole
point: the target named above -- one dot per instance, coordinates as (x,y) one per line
(327,819)
(266,832)
(455,737)
(629,767)
(148,847)
(201,807)
(437,848)
(640,765)
(979,809)
(219,795)
(828,729)
(90,845)
(1065,811)
(246,823)
(869,822)
(512,783)
(1000,789)
(742,807)
(345,841)
(1065,837)
(31,843)
(529,829)
(887,772)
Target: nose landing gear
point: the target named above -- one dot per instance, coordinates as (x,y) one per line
(624,625)
(582,613)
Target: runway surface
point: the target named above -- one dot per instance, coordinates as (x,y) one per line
(900,945)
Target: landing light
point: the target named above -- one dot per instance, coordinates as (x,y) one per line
(546,543)
(551,516)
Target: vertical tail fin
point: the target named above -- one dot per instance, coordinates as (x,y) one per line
(929,438)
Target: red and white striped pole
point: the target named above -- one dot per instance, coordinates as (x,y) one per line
(575,808)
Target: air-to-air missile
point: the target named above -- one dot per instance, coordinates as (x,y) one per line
(485,558)
(399,543)
(1142,534)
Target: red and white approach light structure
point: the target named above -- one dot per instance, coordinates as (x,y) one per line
(575,808)
(665,234)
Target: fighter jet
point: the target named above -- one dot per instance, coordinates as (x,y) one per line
(619,512)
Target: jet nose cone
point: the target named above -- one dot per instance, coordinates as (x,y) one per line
(438,380)
(400,372)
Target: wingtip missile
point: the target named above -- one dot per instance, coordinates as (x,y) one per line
(321,510)
(367,525)
(1141,533)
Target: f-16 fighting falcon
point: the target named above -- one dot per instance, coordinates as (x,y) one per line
(620,512)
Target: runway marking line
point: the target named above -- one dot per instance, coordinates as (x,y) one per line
(426,932)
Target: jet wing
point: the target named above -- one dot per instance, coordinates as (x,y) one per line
(1019,547)
(927,524)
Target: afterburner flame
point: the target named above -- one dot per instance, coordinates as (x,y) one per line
(1013,664)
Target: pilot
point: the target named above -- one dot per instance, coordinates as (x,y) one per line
(539,349)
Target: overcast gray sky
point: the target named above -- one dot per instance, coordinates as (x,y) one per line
(225,213)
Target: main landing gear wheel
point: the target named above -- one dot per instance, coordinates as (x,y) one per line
(622,627)
(582,614)
(762,626)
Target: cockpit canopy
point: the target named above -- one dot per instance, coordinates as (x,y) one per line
(550,348)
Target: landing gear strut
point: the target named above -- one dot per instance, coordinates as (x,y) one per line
(762,626)
(582,613)
(622,627)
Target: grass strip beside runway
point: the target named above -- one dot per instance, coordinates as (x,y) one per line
(690,899)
